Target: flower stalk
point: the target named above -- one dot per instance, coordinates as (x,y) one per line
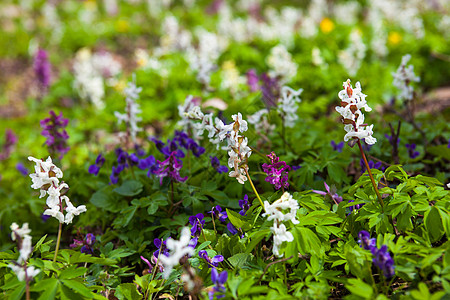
(375,187)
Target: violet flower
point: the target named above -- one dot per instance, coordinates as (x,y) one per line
(372,165)
(390,138)
(42,68)
(162,248)
(252,80)
(412,150)
(381,257)
(53,130)
(244,205)
(277,172)
(215,163)
(197,223)
(8,145)
(86,244)
(214,262)
(270,90)
(170,168)
(336,198)
(95,168)
(217,212)
(22,169)
(337,147)
(219,280)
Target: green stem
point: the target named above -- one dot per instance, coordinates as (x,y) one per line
(370,175)
(254,189)
(58,241)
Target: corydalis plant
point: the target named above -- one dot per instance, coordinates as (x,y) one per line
(277,172)
(42,69)
(23,272)
(53,128)
(46,179)
(132,110)
(403,78)
(381,257)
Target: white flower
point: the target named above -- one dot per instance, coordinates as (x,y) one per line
(55,212)
(54,193)
(280,235)
(352,100)
(288,104)
(178,249)
(132,109)
(275,210)
(403,78)
(45,173)
(351,57)
(25,249)
(72,211)
(20,272)
(19,232)
(281,64)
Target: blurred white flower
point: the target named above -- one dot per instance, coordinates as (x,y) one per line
(177,250)
(403,78)
(288,104)
(353,55)
(281,64)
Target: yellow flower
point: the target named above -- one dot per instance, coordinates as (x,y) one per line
(326,25)
(394,38)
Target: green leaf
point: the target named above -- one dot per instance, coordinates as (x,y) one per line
(48,288)
(237,220)
(39,243)
(72,272)
(78,287)
(256,238)
(433,224)
(129,188)
(307,240)
(358,287)
(18,292)
(152,208)
(127,291)
(239,260)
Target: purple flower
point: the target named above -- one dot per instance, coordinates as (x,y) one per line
(44,218)
(86,244)
(244,205)
(336,198)
(214,262)
(53,130)
(252,80)
(90,239)
(8,146)
(95,168)
(116,170)
(366,242)
(354,207)
(217,212)
(161,245)
(277,172)
(411,150)
(448,145)
(381,257)
(391,140)
(22,169)
(337,147)
(197,223)
(295,168)
(150,267)
(233,230)
(372,165)
(170,168)
(219,284)
(270,89)
(42,68)
(215,163)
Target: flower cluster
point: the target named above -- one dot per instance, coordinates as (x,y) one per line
(212,262)
(197,224)
(132,109)
(217,212)
(336,198)
(287,105)
(42,68)
(177,250)
(274,212)
(281,64)
(23,238)
(95,168)
(86,244)
(277,172)
(244,205)
(46,180)
(170,168)
(412,150)
(352,100)
(219,281)
(403,78)
(53,130)
(8,145)
(381,257)
(351,57)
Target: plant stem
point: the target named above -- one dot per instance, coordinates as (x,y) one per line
(254,189)
(370,175)
(58,241)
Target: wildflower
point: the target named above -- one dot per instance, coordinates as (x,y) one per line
(22,169)
(215,163)
(372,165)
(336,198)
(277,172)
(219,284)
(8,146)
(95,168)
(351,57)
(46,179)
(281,64)
(42,68)
(132,109)
(352,100)
(197,223)
(275,212)
(287,105)
(337,147)
(270,89)
(244,205)
(177,250)
(217,212)
(21,235)
(354,207)
(53,130)
(381,257)
(412,150)
(212,262)
(403,78)
(252,80)
(170,168)
(391,140)
(239,152)
(86,244)
(162,248)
